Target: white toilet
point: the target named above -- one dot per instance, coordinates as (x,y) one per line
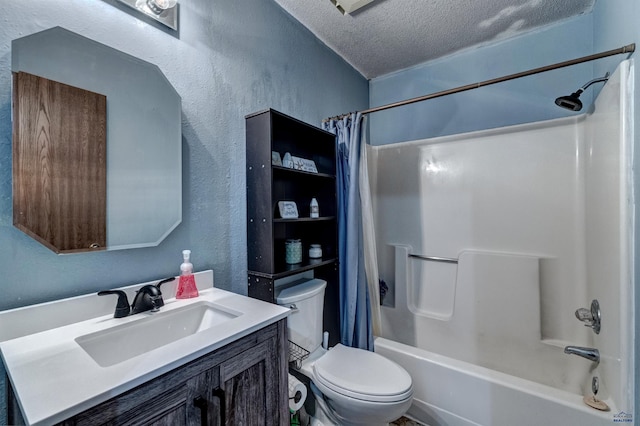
(352,386)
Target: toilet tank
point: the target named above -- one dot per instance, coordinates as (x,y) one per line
(306,299)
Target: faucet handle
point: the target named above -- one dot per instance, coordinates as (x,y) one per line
(591,317)
(584,315)
(166,280)
(122,307)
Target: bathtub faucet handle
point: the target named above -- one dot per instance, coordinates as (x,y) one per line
(584,315)
(591,317)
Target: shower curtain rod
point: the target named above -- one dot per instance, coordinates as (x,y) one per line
(630,48)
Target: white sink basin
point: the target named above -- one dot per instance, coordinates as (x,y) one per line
(153,330)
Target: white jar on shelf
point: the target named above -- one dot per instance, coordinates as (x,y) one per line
(315,251)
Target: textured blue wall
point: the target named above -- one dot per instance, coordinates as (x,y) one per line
(615,27)
(527,99)
(232,58)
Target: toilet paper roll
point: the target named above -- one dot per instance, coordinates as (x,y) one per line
(297,393)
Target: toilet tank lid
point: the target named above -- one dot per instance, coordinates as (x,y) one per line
(300,291)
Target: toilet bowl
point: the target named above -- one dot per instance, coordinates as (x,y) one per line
(352,386)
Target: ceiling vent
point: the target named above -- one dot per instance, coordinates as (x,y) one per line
(348,6)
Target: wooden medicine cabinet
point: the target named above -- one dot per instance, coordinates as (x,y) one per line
(59,164)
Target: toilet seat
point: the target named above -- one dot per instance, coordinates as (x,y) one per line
(362,375)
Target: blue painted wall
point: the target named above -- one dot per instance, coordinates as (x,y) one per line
(527,99)
(614,27)
(232,58)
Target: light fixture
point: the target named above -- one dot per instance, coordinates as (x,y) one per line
(348,6)
(163,11)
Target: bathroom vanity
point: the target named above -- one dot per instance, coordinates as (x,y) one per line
(217,359)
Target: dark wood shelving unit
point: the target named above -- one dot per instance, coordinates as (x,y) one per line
(304,219)
(267,184)
(302,172)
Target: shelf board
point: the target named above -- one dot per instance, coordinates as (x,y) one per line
(305,219)
(294,269)
(302,172)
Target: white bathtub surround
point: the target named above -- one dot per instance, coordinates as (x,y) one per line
(539,217)
(486,311)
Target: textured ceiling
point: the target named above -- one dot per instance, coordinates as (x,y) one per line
(390,35)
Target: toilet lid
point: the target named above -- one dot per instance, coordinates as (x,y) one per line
(363,375)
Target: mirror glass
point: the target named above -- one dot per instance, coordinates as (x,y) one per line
(144,135)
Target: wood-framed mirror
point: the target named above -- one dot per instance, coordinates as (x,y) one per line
(143,148)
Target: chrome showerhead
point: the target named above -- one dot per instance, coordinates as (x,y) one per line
(572,102)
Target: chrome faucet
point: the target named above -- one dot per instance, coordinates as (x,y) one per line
(591,354)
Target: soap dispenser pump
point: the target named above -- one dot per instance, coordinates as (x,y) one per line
(187,282)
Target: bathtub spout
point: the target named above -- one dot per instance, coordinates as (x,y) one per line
(589,353)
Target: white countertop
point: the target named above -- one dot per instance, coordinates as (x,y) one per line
(54,378)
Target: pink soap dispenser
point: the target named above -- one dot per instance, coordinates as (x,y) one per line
(187,283)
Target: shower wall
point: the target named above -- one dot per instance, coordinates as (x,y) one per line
(535,216)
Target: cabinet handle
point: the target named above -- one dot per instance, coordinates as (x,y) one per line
(219,393)
(201,403)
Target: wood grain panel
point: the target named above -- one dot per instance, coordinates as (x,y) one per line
(59,164)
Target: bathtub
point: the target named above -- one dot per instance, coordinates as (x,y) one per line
(455,393)
(489,242)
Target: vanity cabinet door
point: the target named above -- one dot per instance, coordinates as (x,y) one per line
(168,409)
(143,406)
(251,395)
(246,389)
(204,399)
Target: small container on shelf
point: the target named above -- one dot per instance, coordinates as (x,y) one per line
(287,161)
(314,209)
(315,251)
(293,251)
